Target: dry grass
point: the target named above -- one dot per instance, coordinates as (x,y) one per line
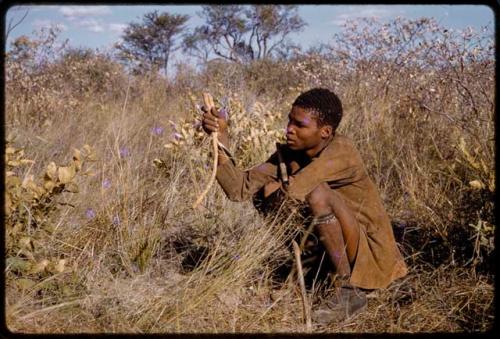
(140,260)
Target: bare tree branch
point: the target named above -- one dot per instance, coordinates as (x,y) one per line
(11,26)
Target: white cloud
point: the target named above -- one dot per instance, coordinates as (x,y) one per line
(73,12)
(84,17)
(40,8)
(92,25)
(43,23)
(117,28)
(365,11)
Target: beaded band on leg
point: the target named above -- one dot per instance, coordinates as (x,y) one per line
(324,219)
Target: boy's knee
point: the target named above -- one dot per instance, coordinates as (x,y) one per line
(318,200)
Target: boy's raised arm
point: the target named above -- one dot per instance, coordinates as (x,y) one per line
(239,185)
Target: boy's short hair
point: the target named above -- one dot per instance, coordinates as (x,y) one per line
(324,103)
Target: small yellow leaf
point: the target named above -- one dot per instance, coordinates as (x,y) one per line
(89,153)
(76,154)
(77,159)
(13,163)
(49,185)
(27,180)
(60,266)
(78,165)
(484,166)
(477,184)
(491,184)
(52,171)
(39,267)
(39,190)
(66,173)
(26,242)
(10,150)
(26,161)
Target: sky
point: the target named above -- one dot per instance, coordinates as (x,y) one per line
(101,26)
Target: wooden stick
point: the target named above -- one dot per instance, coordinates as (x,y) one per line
(209,103)
(301,248)
(305,304)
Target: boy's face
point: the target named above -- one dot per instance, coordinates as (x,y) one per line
(303,133)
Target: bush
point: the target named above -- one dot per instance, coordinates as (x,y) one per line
(49,80)
(31,207)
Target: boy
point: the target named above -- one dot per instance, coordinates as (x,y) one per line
(324,172)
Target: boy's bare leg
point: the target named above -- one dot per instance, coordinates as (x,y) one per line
(337,227)
(339,232)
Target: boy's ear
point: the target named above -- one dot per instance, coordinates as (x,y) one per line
(326,131)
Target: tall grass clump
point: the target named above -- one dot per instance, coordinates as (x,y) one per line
(102,167)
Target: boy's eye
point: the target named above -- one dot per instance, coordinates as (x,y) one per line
(295,123)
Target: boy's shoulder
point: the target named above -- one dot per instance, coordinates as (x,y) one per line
(341,143)
(342,149)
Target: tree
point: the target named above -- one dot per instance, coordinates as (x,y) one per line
(149,45)
(223,31)
(271,25)
(197,45)
(243,33)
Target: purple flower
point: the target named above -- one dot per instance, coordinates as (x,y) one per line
(236,257)
(223,112)
(197,124)
(106,183)
(176,136)
(90,213)
(116,220)
(157,130)
(124,152)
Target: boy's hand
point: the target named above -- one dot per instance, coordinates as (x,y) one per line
(214,121)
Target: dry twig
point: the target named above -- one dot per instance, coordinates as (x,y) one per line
(305,305)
